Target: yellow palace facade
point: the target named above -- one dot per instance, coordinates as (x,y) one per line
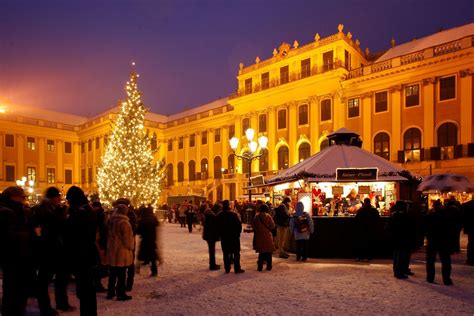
(412,104)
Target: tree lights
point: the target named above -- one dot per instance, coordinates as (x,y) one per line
(128,168)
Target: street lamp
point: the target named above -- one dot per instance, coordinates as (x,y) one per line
(248,157)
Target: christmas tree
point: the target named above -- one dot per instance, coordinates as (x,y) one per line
(128,168)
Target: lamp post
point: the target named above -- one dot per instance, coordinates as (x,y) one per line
(248,157)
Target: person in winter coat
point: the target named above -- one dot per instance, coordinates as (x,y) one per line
(190,217)
(302,226)
(49,220)
(282,221)
(101,271)
(229,228)
(147,228)
(80,242)
(401,226)
(15,251)
(119,252)
(210,233)
(366,221)
(263,225)
(439,229)
(468,210)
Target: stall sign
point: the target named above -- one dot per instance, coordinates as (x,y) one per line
(337,190)
(356,174)
(364,189)
(257,181)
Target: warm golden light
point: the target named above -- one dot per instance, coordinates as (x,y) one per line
(263,141)
(253,147)
(234,142)
(249,133)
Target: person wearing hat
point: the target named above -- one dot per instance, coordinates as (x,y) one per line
(16,254)
(301,226)
(80,241)
(263,225)
(49,220)
(210,233)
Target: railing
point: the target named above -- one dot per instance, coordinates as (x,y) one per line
(411,58)
(382,66)
(447,48)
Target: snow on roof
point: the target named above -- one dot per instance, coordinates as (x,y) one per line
(329,159)
(206,107)
(46,115)
(429,41)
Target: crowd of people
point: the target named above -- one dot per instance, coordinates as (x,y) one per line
(80,241)
(83,241)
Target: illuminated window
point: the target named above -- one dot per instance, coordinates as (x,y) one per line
(51,175)
(447,88)
(284,75)
(353,107)
(204,166)
(304,151)
(82,147)
(231,163)
(347,60)
(283,157)
(326,110)
(50,145)
(303,114)
(381,103)
(281,119)
(447,140)
(263,162)
(412,95)
(328,60)
(305,68)
(412,145)
(30,143)
(68,147)
(9,140)
(31,173)
(265,80)
(382,145)
(262,123)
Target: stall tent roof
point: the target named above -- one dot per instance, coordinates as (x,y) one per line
(322,166)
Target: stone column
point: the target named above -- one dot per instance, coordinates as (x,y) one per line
(428,112)
(367,121)
(314,109)
(272,154)
(465,86)
(397,138)
(76,152)
(175,159)
(292,133)
(210,144)
(60,165)
(186,157)
(225,146)
(339,111)
(238,134)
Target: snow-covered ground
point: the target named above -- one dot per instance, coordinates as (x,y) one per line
(185,286)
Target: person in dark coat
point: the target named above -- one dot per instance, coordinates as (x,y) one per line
(230,227)
(439,230)
(49,221)
(454,209)
(210,233)
(263,225)
(80,241)
(190,217)
(147,227)
(402,229)
(16,253)
(282,221)
(102,270)
(366,221)
(468,210)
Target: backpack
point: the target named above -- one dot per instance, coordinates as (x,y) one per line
(302,224)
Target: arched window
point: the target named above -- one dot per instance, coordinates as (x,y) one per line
(192,170)
(204,166)
(180,172)
(447,139)
(283,157)
(412,145)
(324,144)
(245,165)
(382,145)
(169,175)
(304,151)
(217,167)
(231,163)
(263,161)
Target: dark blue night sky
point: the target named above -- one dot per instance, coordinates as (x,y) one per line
(74,56)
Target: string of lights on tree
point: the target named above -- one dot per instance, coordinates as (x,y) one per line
(128,168)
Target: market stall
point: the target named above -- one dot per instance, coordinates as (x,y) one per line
(333,184)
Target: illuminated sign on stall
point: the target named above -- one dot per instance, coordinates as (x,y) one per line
(357,174)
